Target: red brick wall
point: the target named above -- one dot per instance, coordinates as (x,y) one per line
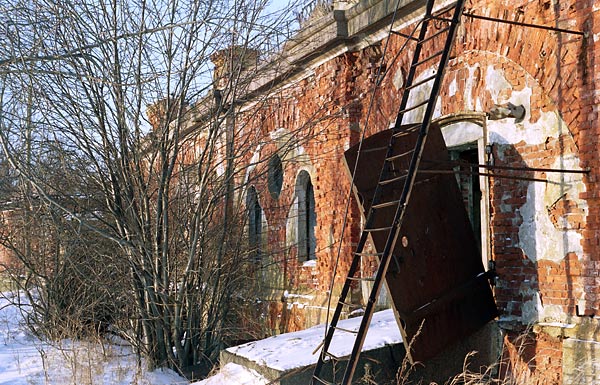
(559,69)
(315,111)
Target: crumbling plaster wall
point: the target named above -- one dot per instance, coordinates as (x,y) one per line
(307,124)
(547,218)
(540,231)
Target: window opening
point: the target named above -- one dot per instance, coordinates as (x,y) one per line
(254,224)
(275,176)
(307,217)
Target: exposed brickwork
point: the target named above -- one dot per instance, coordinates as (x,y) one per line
(554,74)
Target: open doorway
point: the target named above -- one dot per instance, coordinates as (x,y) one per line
(465,136)
(465,157)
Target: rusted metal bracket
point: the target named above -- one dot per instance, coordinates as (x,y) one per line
(488,174)
(529,25)
(586,170)
(533,169)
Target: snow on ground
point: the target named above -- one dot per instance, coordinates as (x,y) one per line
(25,360)
(234,374)
(295,350)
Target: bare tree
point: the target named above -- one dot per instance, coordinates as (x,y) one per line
(143,212)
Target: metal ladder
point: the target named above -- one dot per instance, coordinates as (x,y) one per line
(389,176)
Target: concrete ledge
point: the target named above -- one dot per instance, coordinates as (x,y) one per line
(289,359)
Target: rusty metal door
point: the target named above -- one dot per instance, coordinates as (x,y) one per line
(436,279)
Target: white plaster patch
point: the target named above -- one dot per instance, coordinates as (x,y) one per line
(532,308)
(460,133)
(253,162)
(220,169)
(278,133)
(291,229)
(452,88)
(398,80)
(506,131)
(566,185)
(538,237)
(495,83)
(469,88)
(419,95)
(437,109)
(552,313)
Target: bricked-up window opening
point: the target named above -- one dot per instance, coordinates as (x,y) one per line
(275,176)
(254,224)
(468,182)
(307,217)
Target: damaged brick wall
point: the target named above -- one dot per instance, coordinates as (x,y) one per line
(544,236)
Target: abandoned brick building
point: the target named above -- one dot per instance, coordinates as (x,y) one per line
(535,210)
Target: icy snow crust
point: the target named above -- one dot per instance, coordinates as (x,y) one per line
(295,350)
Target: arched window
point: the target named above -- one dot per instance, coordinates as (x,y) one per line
(307,217)
(254,224)
(275,176)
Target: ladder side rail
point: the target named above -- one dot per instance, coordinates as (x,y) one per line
(347,284)
(421,139)
(367,316)
(369,308)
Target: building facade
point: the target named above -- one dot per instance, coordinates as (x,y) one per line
(519,95)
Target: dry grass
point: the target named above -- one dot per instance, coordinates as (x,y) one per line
(490,375)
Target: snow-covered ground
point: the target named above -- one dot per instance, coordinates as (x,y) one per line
(231,374)
(295,350)
(25,360)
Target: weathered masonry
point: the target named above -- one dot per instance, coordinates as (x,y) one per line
(519,100)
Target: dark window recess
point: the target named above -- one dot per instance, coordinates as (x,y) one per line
(468,183)
(275,176)
(254,224)
(307,217)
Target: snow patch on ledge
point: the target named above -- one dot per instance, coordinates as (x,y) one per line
(234,374)
(287,294)
(295,350)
